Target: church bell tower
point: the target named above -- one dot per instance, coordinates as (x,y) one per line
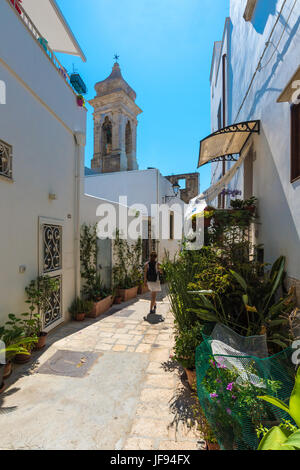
(115,124)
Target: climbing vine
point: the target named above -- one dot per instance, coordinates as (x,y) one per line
(128,269)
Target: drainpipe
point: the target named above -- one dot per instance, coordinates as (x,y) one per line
(157,202)
(80,144)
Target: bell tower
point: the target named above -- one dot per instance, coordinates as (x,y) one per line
(115,124)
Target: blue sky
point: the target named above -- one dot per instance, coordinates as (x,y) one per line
(165,49)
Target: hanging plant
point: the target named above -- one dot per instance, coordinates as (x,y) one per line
(80,101)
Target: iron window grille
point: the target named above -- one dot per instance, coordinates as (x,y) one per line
(5,159)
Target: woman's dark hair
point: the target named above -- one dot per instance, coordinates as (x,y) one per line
(153,256)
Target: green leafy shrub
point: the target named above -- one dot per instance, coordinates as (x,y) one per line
(80,306)
(286,436)
(128,268)
(93,288)
(186,342)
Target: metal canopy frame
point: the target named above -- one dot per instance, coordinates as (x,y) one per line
(248,127)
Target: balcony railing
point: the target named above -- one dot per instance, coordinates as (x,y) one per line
(40,39)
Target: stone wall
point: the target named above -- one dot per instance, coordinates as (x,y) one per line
(192,185)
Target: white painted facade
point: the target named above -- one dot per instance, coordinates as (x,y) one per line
(253,86)
(144,187)
(46,129)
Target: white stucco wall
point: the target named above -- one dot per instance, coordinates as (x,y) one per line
(39,120)
(141,186)
(279,206)
(145,187)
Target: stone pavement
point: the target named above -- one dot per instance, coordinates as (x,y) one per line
(120,390)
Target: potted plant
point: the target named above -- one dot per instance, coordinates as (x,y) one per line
(186,342)
(20,347)
(93,289)
(99,297)
(17,331)
(208,215)
(128,269)
(78,309)
(80,101)
(38,293)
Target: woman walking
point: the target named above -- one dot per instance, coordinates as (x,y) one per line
(151,279)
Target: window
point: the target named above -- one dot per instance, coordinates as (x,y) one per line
(128,138)
(220,116)
(106,137)
(182,183)
(295,142)
(5,159)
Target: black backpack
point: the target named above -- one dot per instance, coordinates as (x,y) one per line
(152,272)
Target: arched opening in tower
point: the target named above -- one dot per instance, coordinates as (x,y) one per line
(106,137)
(128,144)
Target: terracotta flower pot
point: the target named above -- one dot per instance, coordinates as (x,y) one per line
(7,370)
(128,294)
(41,342)
(79,316)
(251,209)
(2,367)
(80,102)
(101,307)
(22,358)
(191,376)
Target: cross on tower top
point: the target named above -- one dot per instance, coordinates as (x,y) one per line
(116,57)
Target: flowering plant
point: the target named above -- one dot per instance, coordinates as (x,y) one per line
(234,396)
(231,192)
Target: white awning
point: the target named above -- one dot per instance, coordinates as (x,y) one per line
(51,24)
(227,142)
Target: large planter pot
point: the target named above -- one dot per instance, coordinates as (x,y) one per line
(7,370)
(1,378)
(41,342)
(251,209)
(191,376)
(79,317)
(22,358)
(143,290)
(101,307)
(128,294)
(212,446)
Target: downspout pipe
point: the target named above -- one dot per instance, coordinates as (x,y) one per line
(80,140)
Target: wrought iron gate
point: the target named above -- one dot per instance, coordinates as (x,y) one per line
(51,264)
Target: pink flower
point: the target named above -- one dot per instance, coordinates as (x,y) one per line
(214,395)
(228,411)
(230,386)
